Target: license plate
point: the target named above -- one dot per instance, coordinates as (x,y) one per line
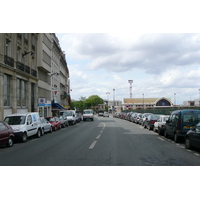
(188,127)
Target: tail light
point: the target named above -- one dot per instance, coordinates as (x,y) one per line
(163,126)
(152,121)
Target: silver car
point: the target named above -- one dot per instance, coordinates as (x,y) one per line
(45,125)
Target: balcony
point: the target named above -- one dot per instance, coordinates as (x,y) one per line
(33,72)
(9,61)
(20,66)
(27,69)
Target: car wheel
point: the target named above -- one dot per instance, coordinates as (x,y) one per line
(55,128)
(187,143)
(165,134)
(159,131)
(42,132)
(24,137)
(10,142)
(50,131)
(176,138)
(38,133)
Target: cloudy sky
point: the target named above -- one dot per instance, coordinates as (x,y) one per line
(160,64)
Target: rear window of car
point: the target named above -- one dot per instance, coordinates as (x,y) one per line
(189,117)
(155,117)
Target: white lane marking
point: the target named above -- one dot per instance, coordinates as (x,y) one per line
(101,131)
(196,154)
(92,145)
(98,136)
(160,138)
(104,125)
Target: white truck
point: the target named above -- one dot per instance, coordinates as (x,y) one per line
(71,116)
(88,114)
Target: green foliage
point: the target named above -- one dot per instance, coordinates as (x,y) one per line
(86,103)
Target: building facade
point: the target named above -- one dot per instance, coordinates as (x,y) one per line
(26,73)
(146,103)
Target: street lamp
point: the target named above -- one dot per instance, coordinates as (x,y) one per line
(175,99)
(199,97)
(107,95)
(143,102)
(114,97)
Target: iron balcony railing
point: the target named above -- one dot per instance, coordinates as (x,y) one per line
(9,61)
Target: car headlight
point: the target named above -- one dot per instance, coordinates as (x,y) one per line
(16,129)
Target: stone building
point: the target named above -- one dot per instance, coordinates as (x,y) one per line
(26,73)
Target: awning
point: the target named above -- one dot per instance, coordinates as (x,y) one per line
(56,106)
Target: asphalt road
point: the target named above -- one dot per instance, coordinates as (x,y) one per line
(102,142)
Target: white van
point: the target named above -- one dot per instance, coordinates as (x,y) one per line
(88,114)
(25,125)
(71,116)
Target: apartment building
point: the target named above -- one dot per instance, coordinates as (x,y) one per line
(26,73)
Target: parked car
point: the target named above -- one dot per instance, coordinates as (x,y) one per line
(137,118)
(133,116)
(143,118)
(64,121)
(25,125)
(192,137)
(180,122)
(159,126)
(78,119)
(105,114)
(46,126)
(150,120)
(56,123)
(70,114)
(6,134)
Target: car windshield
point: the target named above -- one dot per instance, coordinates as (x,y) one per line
(87,112)
(68,113)
(165,119)
(15,120)
(50,119)
(155,116)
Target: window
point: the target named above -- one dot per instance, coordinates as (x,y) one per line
(3,127)
(189,117)
(6,90)
(19,54)
(29,119)
(21,92)
(8,48)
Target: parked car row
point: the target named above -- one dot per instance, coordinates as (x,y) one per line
(180,124)
(20,126)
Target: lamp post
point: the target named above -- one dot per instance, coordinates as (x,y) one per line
(113,100)
(107,96)
(199,97)
(143,102)
(175,99)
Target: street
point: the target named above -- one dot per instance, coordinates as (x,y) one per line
(102,142)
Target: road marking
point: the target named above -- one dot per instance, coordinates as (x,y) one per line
(104,125)
(101,131)
(92,145)
(160,138)
(98,136)
(196,154)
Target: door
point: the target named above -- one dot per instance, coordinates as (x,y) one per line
(31,128)
(4,133)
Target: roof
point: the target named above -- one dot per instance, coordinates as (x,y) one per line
(143,100)
(140,100)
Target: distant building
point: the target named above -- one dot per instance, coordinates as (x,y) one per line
(146,103)
(194,103)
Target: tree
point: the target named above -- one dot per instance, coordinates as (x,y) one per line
(94,100)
